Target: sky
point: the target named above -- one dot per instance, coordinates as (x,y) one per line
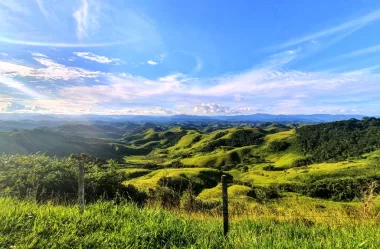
(195,57)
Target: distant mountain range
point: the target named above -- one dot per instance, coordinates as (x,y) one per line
(259,117)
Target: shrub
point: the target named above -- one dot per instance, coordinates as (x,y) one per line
(43,178)
(278,145)
(339,189)
(300,162)
(263,194)
(164,196)
(273,168)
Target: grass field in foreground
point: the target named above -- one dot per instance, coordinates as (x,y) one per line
(105,225)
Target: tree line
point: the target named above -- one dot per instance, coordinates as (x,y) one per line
(337,141)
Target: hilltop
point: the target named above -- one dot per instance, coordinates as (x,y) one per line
(311,160)
(290,180)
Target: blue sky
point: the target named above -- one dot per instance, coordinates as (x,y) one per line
(189,57)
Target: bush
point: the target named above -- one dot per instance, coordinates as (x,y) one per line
(339,189)
(278,145)
(179,184)
(239,138)
(43,178)
(273,168)
(300,162)
(166,197)
(264,194)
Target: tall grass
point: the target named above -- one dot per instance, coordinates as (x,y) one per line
(107,225)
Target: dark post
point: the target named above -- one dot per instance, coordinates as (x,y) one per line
(225,204)
(81,187)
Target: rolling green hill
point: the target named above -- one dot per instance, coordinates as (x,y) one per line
(60,144)
(316,160)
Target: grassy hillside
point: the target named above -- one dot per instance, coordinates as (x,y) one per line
(271,156)
(58,144)
(28,225)
(287,187)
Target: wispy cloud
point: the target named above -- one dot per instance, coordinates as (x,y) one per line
(268,87)
(271,89)
(87,17)
(97,58)
(360,52)
(214,108)
(348,26)
(152,62)
(158,59)
(81,18)
(35,54)
(17,107)
(14,6)
(45,13)
(50,71)
(63,44)
(95,23)
(13,106)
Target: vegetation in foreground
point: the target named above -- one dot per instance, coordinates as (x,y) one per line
(288,188)
(107,225)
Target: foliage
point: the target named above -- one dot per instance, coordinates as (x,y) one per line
(239,138)
(263,194)
(340,189)
(278,145)
(300,162)
(339,140)
(41,178)
(166,197)
(272,168)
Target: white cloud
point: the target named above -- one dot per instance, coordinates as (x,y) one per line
(268,87)
(96,23)
(272,89)
(81,18)
(50,71)
(139,111)
(124,88)
(87,17)
(158,59)
(13,106)
(35,54)
(213,108)
(151,62)
(98,58)
(4,54)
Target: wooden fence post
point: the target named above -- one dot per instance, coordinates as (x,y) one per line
(81,187)
(225,205)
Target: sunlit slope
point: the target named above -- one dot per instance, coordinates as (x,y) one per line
(179,179)
(58,144)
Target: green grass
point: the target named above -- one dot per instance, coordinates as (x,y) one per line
(234,192)
(198,176)
(105,225)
